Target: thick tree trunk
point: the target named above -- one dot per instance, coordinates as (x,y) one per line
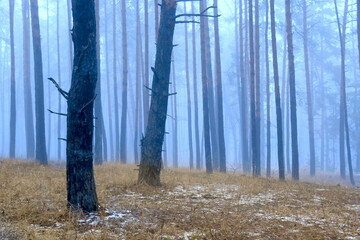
(196,107)
(219,95)
(124,84)
(294,138)
(81,193)
(116,103)
(268,123)
(151,144)
(309,95)
(59,78)
(208,160)
(12,88)
(146,96)
(39,86)
(280,143)
(29,119)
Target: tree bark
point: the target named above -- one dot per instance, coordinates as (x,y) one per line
(151,144)
(12,88)
(29,122)
(268,123)
(116,104)
(294,138)
(40,154)
(81,192)
(146,97)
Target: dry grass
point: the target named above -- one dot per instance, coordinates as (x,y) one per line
(189,205)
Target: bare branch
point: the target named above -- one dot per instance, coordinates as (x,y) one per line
(61,114)
(62,92)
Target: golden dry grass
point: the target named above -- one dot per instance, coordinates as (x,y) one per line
(189,205)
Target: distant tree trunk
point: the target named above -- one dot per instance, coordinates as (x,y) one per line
(12,88)
(208,160)
(39,87)
(188,93)
(151,144)
(196,107)
(308,91)
(294,138)
(323,113)
(29,119)
(124,84)
(117,137)
(175,129)
(358,26)
(108,85)
(220,114)
(81,192)
(156,15)
(69,34)
(146,96)
(48,71)
(59,79)
(280,143)
(268,123)
(98,157)
(344,125)
(238,77)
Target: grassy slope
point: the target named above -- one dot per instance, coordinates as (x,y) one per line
(189,205)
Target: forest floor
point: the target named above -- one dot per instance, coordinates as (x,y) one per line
(189,205)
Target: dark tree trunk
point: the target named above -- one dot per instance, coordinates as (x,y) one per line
(268,123)
(81,192)
(12,88)
(116,103)
(98,151)
(309,96)
(220,114)
(196,107)
(29,119)
(175,122)
(69,34)
(151,144)
(208,160)
(124,84)
(280,143)
(40,154)
(156,15)
(294,138)
(146,96)
(59,79)
(188,93)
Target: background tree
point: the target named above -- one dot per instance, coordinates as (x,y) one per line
(12,89)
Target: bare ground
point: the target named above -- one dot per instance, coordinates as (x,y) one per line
(189,205)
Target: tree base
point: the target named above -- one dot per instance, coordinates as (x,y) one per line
(149,175)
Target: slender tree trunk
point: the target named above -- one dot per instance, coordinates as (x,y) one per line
(220,114)
(268,123)
(59,78)
(124,84)
(208,160)
(280,143)
(358,25)
(146,96)
(29,122)
(39,87)
(188,93)
(175,129)
(156,15)
(309,96)
(117,137)
(12,88)
(323,112)
(98,157)
(238,77)
(294,138)
(69,34)
(151,144)
(48,72)
(196,107)
(81,192)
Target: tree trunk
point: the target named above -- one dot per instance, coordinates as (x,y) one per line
(29,119)
(196,107)
(39,87)
(294,138)
(358,25)
(174,115)
(280,143)
(98,157)
(48,72)
(188,92)
(309,97)
(117,137)
(156,15)
(12,88)
(59,79)
(151,144)
(146,97)
(268,123)
(69,34)
(81,192)
(124,85)
(220,114)
(208,160)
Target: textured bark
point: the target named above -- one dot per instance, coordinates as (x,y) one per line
(196,104)
(294,133)
(280,143)
(29,118)
(308,92)
(268,123)
(124,84)
(151,144)
(219,95)
(59,78)
(116,103)
(40,154)
(208,160)
(81,193)
(12,88)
